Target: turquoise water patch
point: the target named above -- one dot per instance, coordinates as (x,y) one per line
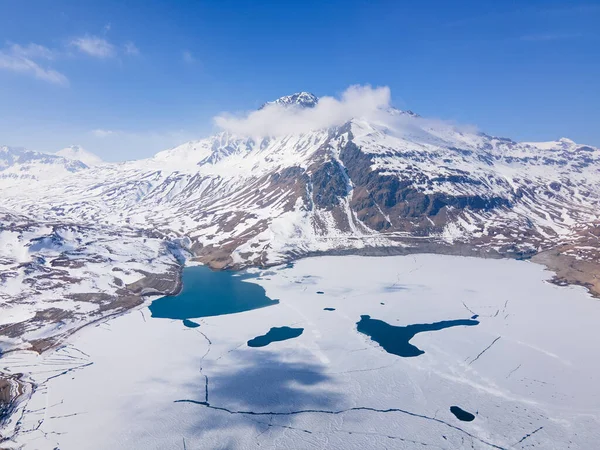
(275,334)
(208,293)
(395,340)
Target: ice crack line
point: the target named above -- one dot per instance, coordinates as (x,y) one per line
(514,370)
(527,436)
(341,411)
(469,309)
(67,371)
(362,433)
(485,350)
(201,360)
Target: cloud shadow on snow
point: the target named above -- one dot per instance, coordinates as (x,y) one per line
(261,381)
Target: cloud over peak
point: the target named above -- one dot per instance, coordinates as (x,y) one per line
(275,119)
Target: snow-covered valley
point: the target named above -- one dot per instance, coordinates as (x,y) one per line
(526,371)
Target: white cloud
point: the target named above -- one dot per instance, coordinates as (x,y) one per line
(34,51)
(274,119)
(94,46)
(357,102)
(21,59)
(32,59)
(101,133)
(188,57)
(131,49)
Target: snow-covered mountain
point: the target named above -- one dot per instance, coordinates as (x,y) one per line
(390,182)
(300,99)
(78,153)
(20,164)
(250,200)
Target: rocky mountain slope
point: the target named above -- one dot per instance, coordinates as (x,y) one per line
(77,237)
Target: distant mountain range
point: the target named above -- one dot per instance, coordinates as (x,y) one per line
(399,184)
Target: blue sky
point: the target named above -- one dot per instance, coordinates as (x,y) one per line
(129,78)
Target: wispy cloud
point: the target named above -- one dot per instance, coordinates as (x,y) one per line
(34,59)
(22,59)
(101,133)
(94,46)
(540,37)
(34,51)
(131,49)
(188,57)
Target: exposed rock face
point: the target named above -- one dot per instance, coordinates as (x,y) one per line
(12,389)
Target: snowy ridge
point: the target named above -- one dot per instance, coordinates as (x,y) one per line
(78,153)
(300,99)
(20,164)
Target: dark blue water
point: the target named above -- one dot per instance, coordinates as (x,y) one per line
(461,414)
(395,339)
(328,309)
(275,334)
(320,292)
(190,324)
(208,293)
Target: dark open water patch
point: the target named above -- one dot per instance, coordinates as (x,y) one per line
(190,324)
(395,339)
(275,334)
(461,414)
(320,292)
(208,293)
(328,309)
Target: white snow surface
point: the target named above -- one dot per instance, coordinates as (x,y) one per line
(527,371)
(19,167)
(78,153)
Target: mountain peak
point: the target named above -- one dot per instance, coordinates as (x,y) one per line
(77,152)
(301,99)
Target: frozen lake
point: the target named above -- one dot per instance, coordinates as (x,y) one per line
(495,341)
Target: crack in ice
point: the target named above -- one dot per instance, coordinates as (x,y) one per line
(337,412)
